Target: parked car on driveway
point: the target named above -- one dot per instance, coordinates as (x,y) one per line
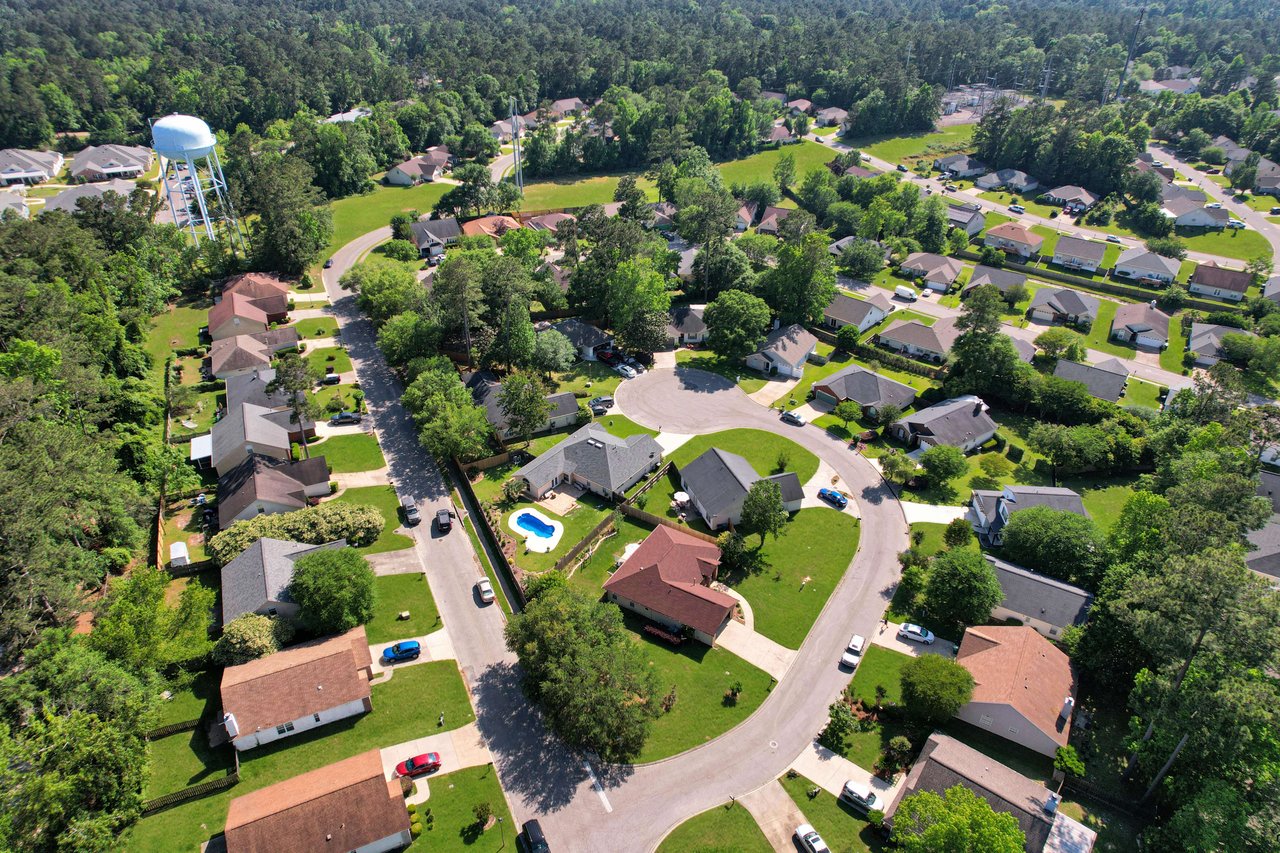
(793,418)
(634,364)
(810,840)
(916,634)
(833,497)
(1235,223)
(608,356)
(444,520)
(485,589)
(428,762)
(600,405)
(624,371)
(343,418)
(859,796)
(406,650)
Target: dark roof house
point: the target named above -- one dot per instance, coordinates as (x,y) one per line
(993,509)
(486,390)
(261,485)
(594,459)
(1046,604)
(258,580)
(718,481)
(959,422)
(1105,380)
(864,387)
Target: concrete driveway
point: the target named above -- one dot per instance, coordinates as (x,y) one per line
(756,649)
(931,513)
(458,750)
(831,771)
(435,646)
(887,636)
(776,813)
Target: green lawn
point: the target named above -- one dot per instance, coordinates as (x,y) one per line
(840,827)
(327,393)
(735,371)
(622,426)
(1241,244)
(591,574)
(453,796)
(178,328)
(589,512)
(701,676)
(593,376)
(347,454)
(189,703)
(359,214)
(1099,336)
(201,415)
(932,542)
(836,361)
(1027,200)
(759,448)
(329,360)
(1103,497)
(576,191)
(317,327)
(898,149)
(1171,356)
(880,667)
(759,167)
(1033,469)
(397,593)
(184,525)
(387,503)
(727,828)
(1140,393)
(1050,239)
(184,759)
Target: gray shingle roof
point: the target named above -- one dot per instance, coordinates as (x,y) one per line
(851,310)
(1015,498)
(1002,280)
(262,573)
(937,338)
(263,478)
(593,454)
(867,388)
(1105,380)
(1075,247)
(788,345)
(1142,317)
(720,480)
(428,232)
(66,200)
(1138,258)
(1040,597)
(251,388)
(933,267)
(486,389)
(1064,301)
(1265,556)
(580,334)
(1206,338)
(246,424)
(955,422)
(686,320)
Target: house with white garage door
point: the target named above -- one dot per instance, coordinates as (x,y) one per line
(784,352)
(1141,323)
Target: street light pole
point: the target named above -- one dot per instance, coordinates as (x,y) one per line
(503,831)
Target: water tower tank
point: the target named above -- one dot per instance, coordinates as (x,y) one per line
(177,137)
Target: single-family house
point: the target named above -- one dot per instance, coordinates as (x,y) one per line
(236,314)
(263,290)
(916,339)
(1271,290)
(837,247)
(1046,604)
(548,222)
(668,579)
(263,485)
(501,130)
(1141,323)
(245,431)
(800,106)
(847,310)
(865,387)
(684,264)
(584,337)
(353,114)
(246,353)
(1001,279)
(687,325)
(297,689)
(1209,279)
(784,352)
(780,134)
(250,388)
(1023,686)
(830,117)
(1105,380)
(1025,349)
(595,460)
(1014,238)
(560,275)
(105,162)
(257,581)
(770,219)
(664,216)
(562,107)
(421,169)
(489,226)
(841,166)
(1012,180)
(1206,342)
(769,95)
(936,272)
(945,763)
(1187,212)
(24,166)
(992,510)
(718,481)
(12,202)
(1071,197)
(1264,556)
(1143,265)
(1077,254)
(1165,172)
(968,217)
(68,200)
(1061,305)
(348,805)
(1267,185)
(432,236)
(961,422)
(961,166)
(486,390)
(745,217)
(1177,87)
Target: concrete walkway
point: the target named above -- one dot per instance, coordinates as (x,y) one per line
(308,314)
(324,429)
(458,749)
(669,441)
(665,360)
(831,771)
(435,646)
(402,562)
(774,390)
(887,636)
(776,813)
(322,343)
(929,513)
(748,614)
(756,649)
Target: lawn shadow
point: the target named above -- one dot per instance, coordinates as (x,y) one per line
(703,378)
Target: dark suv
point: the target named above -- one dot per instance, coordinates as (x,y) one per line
(444,520)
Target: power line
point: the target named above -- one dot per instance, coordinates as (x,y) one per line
(1133,47)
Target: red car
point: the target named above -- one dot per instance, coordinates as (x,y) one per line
(426,763)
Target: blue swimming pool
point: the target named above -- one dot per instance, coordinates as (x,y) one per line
(536,526)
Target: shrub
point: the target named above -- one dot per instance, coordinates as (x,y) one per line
(935,688)
(334,590)
(401,250)
(415,829)
(359,525)
(249,637)
(482,811)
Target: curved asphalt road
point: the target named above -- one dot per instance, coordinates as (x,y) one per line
(630,808)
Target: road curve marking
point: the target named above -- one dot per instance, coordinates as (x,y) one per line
(599,789)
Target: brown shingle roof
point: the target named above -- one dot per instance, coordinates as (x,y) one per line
(1211,275)
(255,350)
(1016,666)
(340,807)
(489,226)
(256,285)
(667,574)
(299,681)
(232,306)
(1017,233)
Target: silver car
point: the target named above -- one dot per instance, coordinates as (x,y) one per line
(624,371)
(810,840)
(916,634)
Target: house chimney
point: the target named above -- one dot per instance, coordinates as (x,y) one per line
(1067,705)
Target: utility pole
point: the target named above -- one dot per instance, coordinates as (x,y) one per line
(1133,47)
(1044,79)
(910,49)
(517,125)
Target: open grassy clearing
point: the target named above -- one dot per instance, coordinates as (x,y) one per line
(1099,336)
(185,524)
(727,828)
(385,500)
(578,191)
(735,371)
(592,376)
(1171,356)
(759,167)
(1240,244)
(199,420)
(347,454)
(592,572)
(1141,393)
(1103,497)
(1027,200)
(177,328)
(329,360)
(184,759)
(453,796)
(360,214)
(396,593)
(317,327)
(622,426)
(899,149)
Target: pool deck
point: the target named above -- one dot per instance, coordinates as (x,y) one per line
(532,540)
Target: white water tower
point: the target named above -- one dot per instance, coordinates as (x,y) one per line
(192,176)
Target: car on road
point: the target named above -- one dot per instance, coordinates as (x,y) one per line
(328,264)
(901,167)
(624,371)
(951,188)
(485,590)
(866,158)
(1213,171)
(409,504)
(859,796)
(444,520)
(793,418)
(428,762)
(853,652)
(343,418)
(331,379)
(810,840)
(1216,205)
(1235,223)
(532,839)
(1111,238)
(833,497)
(405,650)
(915,633)
(1017,208)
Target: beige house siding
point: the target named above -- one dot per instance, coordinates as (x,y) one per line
(1046,629)
(1005,722)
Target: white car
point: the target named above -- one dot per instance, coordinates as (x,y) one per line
(1217,205)
(1235,223)
(1017,208)
(810,839)
(624,371)
(853,653)
(485,590)
(916,634)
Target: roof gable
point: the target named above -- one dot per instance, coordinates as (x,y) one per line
(1015,666)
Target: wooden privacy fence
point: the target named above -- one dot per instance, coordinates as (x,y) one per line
(172,729)
(481,522)
(655,520)
(194,792)
(586,542)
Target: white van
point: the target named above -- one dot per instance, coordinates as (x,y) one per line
(859,796)
(904,292)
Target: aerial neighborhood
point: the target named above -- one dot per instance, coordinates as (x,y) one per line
(460,430)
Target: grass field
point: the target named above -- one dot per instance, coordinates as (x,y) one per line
(199,419)
(727,828)
(385,500)
(177,328)
(182,760)
(360,214)
(589,512)
(317,327)
(575,191)
(453,796)
(900,149)
(347,454)
(1140,393)
(184,525)
(1241,244)
(397,593)
(592,572)
(1171,356)
(1027,200)
(840,827)
(1103,497)
(759,448)
(759,167)
(591,376)
(880,667)
(700,676)
(622,426)
(1099,336)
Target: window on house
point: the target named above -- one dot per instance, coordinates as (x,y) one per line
(284,729)
(1013,730)
(271,611)
(317,717)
